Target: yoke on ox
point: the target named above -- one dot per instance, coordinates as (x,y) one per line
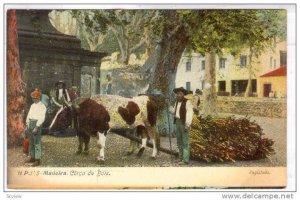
(98,115)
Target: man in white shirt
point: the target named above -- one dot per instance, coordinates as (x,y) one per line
(34,121)
(183,115)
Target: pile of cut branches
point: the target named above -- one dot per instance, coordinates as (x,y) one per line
(228,139)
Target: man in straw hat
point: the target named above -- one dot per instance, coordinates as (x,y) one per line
(183,114)
(34,121)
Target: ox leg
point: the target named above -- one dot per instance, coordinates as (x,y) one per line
(142,149)
(154,152)
(86,144)
(79,150)
(132,144)
(101,145)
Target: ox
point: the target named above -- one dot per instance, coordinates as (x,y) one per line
(95,116)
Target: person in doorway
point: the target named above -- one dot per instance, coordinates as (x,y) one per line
(183,114)
(34,120)
(109,84)
(271,94)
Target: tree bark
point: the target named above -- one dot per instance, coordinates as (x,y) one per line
(210,89)
(15,85)
(173,43)
(248,91)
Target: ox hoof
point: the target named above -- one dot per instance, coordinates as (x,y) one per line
(100,160)
(153,157)
(141,151)
(78,152)
(85,152)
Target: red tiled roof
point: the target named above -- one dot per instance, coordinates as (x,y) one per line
(281,71)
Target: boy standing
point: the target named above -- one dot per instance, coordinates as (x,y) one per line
(34,121)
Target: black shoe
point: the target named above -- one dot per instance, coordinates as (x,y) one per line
(183,163)
(85,152)
(36,163)
(30,160)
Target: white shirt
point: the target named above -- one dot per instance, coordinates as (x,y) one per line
(189,112)
(61,94)
(37,111)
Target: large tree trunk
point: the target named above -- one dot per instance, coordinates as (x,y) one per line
(173,43)
(248,91)
(210,89)
(15,86)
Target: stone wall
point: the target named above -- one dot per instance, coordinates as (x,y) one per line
(126,82)
(252,106)
(47,56)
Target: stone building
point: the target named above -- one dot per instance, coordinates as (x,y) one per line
(47,56)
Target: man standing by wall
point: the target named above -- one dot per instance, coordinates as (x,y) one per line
(34,121)
(183,115)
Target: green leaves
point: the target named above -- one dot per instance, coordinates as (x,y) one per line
(232,29)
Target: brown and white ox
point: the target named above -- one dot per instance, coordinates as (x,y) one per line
(97,115)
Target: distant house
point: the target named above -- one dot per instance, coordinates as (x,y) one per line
(232,72)
(273,81)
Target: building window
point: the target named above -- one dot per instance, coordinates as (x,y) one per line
(188,65)
(203,65)
(222,86)
(188,86)
(243,61)
(238,87)
(203,84)
(222,63)
(282,58)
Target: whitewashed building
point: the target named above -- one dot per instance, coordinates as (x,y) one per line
(190,72)
(232,72)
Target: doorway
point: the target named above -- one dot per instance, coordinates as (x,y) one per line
(267,89)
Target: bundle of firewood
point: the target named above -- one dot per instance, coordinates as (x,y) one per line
(228,139)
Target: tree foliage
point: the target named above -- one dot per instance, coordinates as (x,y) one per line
(130,28)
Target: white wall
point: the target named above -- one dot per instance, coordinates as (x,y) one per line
(195,76)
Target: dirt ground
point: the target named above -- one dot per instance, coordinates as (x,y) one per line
(60,151)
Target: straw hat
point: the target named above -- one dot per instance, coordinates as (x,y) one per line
(60,81)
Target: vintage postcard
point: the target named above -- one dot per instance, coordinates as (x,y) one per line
(146,97)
